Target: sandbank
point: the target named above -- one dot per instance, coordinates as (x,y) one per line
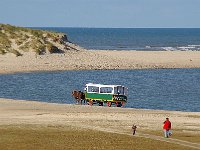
(94,117)
(99,59)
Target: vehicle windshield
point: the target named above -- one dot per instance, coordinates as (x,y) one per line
(119,90)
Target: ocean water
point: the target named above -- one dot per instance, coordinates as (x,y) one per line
(163,89)
(182,39)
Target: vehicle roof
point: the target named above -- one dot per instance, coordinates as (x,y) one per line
(102,85)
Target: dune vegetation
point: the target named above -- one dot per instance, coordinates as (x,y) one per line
(18,40)
(60,137)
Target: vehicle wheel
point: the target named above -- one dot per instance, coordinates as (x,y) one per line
(100,103)
(119,104)
(123,103)
(109,104)
(90,102)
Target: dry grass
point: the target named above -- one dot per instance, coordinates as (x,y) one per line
(187,137)
(178,134)
(27,39)
(34,137)
(194,116)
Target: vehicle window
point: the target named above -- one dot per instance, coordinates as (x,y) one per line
(125,91)
(106,90)
(115,90)
(93,89)
(119,90)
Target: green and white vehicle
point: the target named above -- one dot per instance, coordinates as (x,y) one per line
(110,94)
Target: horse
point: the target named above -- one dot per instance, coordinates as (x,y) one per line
(79,96)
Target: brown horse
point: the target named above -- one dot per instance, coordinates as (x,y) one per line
(79,96)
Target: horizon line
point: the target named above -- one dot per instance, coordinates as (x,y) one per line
(114,27)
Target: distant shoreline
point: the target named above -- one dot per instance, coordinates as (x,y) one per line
(99,60)
(144,39)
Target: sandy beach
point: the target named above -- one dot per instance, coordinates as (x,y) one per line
(85,116)
(106,119)
(99,59)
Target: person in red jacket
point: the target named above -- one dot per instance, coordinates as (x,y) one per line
(167,127)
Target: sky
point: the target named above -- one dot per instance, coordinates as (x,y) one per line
(101,13)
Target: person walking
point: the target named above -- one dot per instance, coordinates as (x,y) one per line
(166,127)
(134,129)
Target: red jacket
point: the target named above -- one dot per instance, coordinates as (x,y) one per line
(167,125)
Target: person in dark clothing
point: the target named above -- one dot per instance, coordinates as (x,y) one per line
(134,129)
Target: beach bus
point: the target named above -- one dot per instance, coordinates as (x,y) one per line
(109,94)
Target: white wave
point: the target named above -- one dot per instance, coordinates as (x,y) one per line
(169,48)
(194,45)
(189,48)
(186,47)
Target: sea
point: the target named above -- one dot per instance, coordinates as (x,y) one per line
(148,39)
(162,89)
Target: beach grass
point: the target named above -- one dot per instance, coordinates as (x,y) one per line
(31,137)
(180,134)
(194,116)
(13,39)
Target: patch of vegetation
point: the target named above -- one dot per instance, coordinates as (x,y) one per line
(19,42)
(56,138)
(37,33)
(178,134)
(53,49)
(2,51)
(4,41)
(194,116)
(40,50)
(25,47)
(26,39)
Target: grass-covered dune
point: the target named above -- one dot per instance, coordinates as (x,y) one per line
(18,40)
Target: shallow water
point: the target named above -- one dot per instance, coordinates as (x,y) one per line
(165,89)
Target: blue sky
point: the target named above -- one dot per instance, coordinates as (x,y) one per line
(101,13)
